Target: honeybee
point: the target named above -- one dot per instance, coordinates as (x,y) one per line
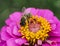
(24,18)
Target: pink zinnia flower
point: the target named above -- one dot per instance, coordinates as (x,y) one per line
(33,27)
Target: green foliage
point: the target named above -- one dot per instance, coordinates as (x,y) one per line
(9,6)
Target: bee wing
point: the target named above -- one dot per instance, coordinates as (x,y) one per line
(23,9)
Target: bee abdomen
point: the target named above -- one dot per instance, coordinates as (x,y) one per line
(23,23)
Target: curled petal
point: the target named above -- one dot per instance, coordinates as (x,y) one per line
(20,41)
(15,31)
(4,35)
(11,42)
(52,43)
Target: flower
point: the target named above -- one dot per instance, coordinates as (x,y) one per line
(33,27)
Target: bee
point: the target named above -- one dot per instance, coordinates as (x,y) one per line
(24,18)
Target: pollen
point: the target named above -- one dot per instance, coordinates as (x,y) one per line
(36,28)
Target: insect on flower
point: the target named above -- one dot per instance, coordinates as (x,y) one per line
(24,18)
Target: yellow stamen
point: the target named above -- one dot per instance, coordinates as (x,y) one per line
(41,34)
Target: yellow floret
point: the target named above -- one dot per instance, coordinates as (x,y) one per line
(41,34)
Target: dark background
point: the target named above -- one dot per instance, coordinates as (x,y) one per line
(9,6)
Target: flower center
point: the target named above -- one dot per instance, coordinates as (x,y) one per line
(35,28)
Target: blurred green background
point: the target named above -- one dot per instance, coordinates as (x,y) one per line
(9,6)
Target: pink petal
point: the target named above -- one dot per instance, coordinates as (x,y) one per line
(58,44)
(53,44)
(4,35)
(15,31)
(55,32)
(20,41)
(48,14)
(16,16)
(56,20)
(45,44)
(51,21)
(39,42)
(26,43)
(54,38)
(53,26)
(40,12)
(4,44)
(11,42)
(10,22)
(9,30)
(36,45)
(34,11)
